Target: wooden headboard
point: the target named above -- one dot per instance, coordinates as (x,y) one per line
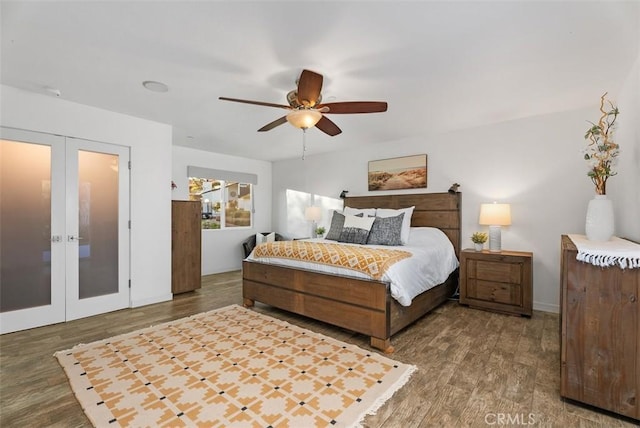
(441,210)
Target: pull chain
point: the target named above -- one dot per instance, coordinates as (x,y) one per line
(304,141)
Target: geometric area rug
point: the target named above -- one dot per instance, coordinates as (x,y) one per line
(230,367)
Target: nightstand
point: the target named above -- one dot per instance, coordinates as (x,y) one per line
(497,281)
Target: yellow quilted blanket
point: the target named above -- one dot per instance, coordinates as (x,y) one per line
(370,261)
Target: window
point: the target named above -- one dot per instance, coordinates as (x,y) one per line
(297,201)
(226,196)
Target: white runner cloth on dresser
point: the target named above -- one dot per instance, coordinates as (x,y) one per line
(615,251)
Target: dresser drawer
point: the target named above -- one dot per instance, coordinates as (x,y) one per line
(495,271)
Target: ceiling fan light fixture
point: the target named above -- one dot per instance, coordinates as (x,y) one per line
(304,118)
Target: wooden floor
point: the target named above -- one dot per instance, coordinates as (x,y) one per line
(475,368)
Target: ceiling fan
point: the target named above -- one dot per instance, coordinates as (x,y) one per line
(306,108)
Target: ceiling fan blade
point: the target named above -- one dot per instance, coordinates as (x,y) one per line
(348,107)
(328,127)
(309,87)
(270,126)
(259,103)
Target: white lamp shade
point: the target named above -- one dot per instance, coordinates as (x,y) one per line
(313,213)
(495,214)
(304,118)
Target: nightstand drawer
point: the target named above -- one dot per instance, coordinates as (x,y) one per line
(495,271)
(498,292)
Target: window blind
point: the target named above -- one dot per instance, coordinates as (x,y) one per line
(219,174)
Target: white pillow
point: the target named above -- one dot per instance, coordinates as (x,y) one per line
(367,212)
(261,238)
(406,221)
(358,222)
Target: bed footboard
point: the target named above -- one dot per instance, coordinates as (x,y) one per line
(359,305)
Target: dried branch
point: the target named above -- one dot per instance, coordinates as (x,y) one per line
(601,151)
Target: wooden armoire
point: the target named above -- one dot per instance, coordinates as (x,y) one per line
(600,334)
(186,242)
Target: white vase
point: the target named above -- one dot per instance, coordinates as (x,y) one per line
(478,246)
(599,225)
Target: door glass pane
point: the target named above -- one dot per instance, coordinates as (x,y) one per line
(25,225)
(98,223)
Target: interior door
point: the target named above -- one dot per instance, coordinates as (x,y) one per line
(97,230)
(32,252)
(64,229)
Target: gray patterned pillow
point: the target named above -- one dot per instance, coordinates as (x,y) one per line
(356,229)
(386,231)
(354,235)
(337,223)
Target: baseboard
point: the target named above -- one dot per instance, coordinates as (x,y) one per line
(151,300)
(546,307)
(223,270)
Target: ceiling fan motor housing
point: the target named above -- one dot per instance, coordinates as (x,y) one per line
(292,99)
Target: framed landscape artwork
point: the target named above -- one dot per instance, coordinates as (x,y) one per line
(408,172)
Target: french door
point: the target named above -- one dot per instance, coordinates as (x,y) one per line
(64,229)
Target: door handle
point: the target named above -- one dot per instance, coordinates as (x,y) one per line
(72,238)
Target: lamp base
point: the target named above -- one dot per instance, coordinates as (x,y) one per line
(495,237)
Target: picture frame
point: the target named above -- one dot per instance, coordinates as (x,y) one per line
(406,172)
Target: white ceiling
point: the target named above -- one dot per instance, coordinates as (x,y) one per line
(441,66)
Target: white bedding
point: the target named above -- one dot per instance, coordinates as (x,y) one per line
(433,259)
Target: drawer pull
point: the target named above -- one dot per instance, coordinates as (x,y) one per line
(632,298)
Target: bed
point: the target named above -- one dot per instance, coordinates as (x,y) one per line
(362,305)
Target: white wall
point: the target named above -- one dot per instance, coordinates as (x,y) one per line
(624,188)
(150,145)
(221,249)
(534,164)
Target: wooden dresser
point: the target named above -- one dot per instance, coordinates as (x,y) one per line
(186,241)
(600,334)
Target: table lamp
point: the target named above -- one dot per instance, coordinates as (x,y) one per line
(495,215)
(313,214)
